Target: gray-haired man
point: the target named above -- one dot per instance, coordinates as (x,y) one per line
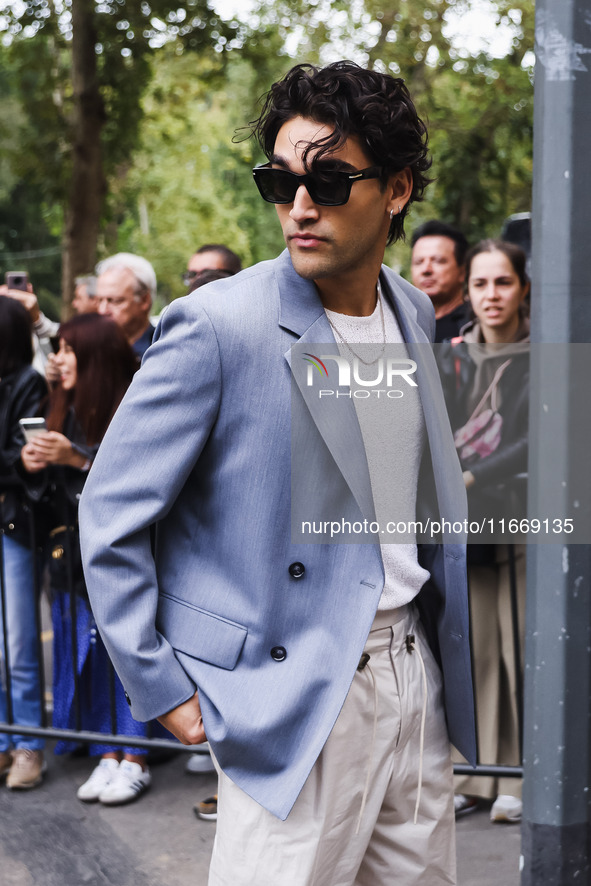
(125,288)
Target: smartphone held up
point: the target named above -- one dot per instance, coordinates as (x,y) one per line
(17,280)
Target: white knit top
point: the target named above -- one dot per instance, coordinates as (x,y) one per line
(393,431)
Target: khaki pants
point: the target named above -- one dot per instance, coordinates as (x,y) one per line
(352,824)
(494,671)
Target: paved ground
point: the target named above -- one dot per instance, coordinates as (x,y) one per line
(48,838)
(488,855)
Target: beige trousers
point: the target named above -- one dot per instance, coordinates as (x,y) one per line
(494,671)
(352,824)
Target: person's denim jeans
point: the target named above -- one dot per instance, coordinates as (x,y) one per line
(23,658)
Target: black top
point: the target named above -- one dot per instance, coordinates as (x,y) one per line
(21,394)
(500,487)
(449,326)
(458,370)
(144,341)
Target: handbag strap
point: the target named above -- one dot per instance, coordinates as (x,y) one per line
(457,340)
(491,391)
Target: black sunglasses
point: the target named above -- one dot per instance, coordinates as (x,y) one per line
(330,188)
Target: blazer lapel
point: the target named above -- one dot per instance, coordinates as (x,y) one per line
(451,493)
(302,314)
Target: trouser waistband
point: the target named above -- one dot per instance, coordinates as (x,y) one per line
(385,618)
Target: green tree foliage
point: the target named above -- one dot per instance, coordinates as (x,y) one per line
(190,182)
(30,221)
(480,110)
(81,69)
(127,33)
(175,82)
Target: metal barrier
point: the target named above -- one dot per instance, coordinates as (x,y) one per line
(114,737)
(41,551)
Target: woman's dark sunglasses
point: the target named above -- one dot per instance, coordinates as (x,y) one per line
(330,188)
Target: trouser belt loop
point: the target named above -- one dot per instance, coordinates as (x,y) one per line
(363,661)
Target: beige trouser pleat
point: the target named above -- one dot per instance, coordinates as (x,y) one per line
(347,829)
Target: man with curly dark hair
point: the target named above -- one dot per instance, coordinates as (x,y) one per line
(325,676)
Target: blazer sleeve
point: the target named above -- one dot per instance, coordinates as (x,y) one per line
(149,450)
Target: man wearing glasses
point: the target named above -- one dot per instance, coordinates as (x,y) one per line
(211,257)
(125,289)
(305,665)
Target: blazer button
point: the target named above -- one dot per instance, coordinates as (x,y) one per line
(278,653)
(128,699)
(296,570)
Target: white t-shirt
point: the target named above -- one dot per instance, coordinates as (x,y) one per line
(393,432)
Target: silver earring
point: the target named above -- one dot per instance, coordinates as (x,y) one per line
(399,209)
(391,214)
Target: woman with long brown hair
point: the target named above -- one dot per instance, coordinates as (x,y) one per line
(96,365)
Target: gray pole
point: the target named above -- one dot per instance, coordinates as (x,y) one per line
(557,738)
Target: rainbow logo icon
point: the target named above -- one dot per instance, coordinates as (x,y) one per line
(317,363)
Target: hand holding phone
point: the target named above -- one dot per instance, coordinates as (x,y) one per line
(17,286)
(31,459)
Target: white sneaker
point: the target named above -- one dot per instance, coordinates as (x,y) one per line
(200,762)
(128,783)
(100,777)
(464,805)
(506,808)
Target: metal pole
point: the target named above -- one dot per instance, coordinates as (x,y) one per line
(557,729)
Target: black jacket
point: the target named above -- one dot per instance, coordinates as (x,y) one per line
(500,488)
(458,371)
(21,394)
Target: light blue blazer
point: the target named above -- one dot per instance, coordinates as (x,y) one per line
(186,541)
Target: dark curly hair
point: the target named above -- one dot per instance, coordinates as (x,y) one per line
(377,108)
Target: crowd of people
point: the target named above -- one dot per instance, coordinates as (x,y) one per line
(88,363)
(83,369)
(485,370)
(481,302)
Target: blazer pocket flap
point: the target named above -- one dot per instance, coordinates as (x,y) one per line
(200,634)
